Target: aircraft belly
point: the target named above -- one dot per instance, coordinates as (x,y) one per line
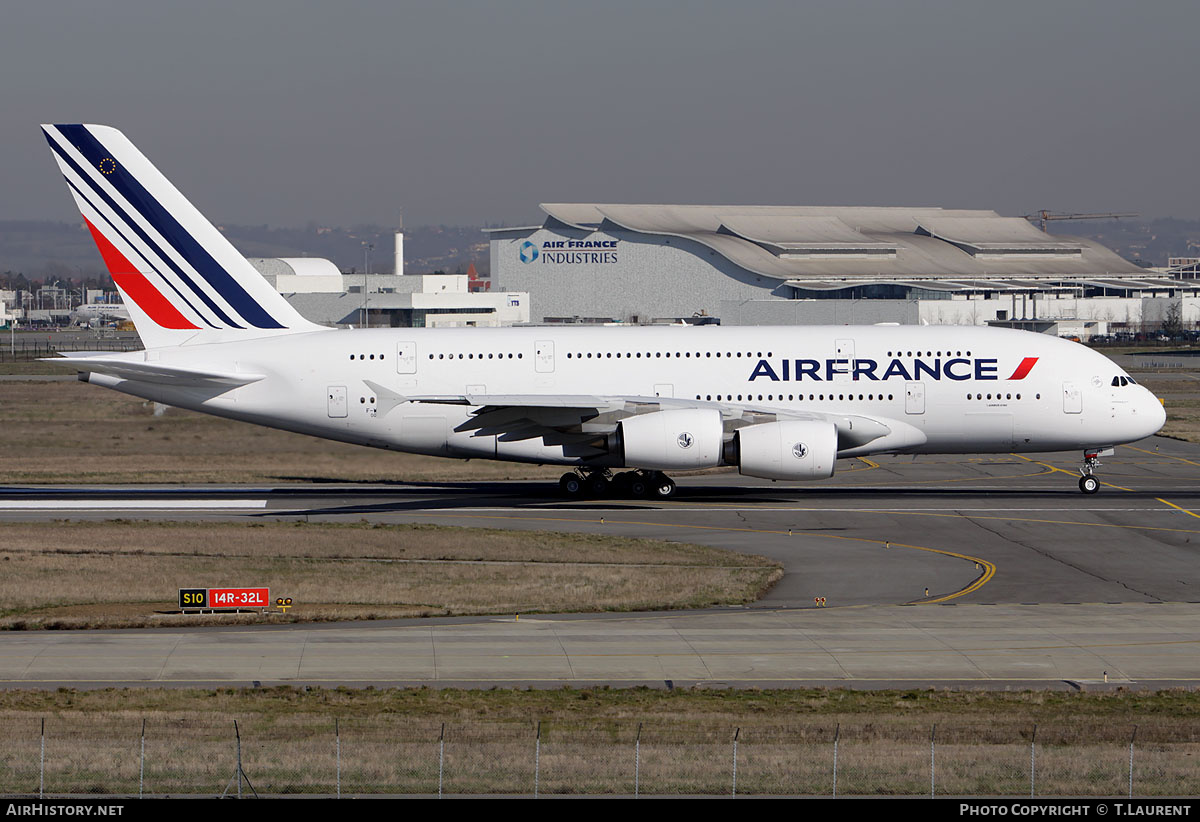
(424,434)
(990,430)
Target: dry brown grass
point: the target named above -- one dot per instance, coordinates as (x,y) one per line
(27,367)
(389,741)
(118,574)
(1163,385)
(1183,420)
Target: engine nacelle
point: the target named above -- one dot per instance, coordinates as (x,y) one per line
(789,450)
(682,438)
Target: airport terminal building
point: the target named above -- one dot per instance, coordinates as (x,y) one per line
(321,293)
(783,265)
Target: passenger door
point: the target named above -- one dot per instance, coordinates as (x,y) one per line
(1072,398)
(844,350)
(406,358)
(543,357)
(336,406)
(914,398)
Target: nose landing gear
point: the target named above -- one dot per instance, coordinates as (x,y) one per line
(1088,483)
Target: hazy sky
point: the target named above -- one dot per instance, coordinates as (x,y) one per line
(464,113)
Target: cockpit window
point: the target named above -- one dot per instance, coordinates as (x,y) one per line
(1116,381)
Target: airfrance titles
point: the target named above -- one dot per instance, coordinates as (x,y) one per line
(800,370)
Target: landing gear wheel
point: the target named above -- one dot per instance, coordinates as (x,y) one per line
(662,486)
(598,486)
(571,486)
(620,484)
(638,486)
(1088,483)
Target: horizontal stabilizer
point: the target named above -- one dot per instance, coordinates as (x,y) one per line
(154,372)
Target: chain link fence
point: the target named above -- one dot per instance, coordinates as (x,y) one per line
(14,350)
(380,756)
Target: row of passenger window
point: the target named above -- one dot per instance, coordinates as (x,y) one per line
(648,355)
(839,397)
(657,355)
(637,355)
(999,396)
(475,356)
(792,397)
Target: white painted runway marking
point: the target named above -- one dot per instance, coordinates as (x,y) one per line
(129,505)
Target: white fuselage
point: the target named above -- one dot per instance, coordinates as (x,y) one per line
(961,390)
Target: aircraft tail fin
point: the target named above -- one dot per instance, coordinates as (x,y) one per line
(181,280)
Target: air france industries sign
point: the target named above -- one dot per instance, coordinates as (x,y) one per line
(221,598)
(569,252)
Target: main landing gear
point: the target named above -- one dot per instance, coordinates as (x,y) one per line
(601,484)
(1088,484)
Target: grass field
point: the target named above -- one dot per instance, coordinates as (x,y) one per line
(1166,716)
(600,741)
(1183,420)
(31,367)
(124,574)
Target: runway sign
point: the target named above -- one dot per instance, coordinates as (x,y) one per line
(223,598)
(193,598)
(239,597)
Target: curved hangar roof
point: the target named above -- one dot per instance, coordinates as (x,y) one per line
(834,247)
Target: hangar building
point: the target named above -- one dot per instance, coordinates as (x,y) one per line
(802,265)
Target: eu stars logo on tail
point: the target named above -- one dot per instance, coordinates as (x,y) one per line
(180,278)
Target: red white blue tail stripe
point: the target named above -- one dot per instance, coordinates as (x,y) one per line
(171,264)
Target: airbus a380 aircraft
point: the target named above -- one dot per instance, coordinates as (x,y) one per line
(777,403)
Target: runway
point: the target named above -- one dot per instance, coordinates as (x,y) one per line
(950,571)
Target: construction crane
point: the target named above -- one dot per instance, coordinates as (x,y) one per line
(1045,216)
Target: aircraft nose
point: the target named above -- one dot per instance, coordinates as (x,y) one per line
(1151,414)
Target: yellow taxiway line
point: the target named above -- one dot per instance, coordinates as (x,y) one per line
(988,569)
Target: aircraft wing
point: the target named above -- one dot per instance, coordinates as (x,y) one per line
(153,372)
(565,418)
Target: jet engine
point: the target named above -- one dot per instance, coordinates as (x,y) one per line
(678,439)
(788,450)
